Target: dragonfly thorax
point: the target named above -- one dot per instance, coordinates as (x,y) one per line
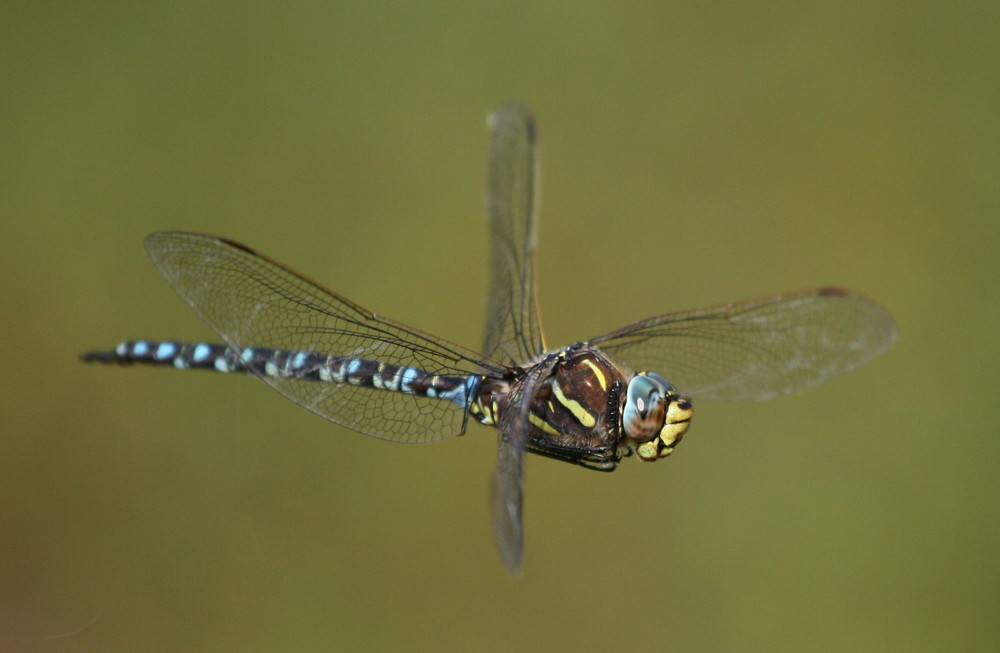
(579,406)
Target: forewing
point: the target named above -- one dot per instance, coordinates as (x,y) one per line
(759,349)
(513,332)
(252,301)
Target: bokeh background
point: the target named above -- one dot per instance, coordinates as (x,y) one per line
(691,155)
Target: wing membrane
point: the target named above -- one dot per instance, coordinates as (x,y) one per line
(507,501)
(252,301)
(756,350)
(507,491)
(513,331)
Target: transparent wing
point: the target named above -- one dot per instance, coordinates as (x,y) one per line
(252,301)
(513,332)
(507,499)
(758,349)
(507,491)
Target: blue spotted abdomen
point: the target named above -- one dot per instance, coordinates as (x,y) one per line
(291,364)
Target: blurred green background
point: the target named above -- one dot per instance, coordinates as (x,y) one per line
(691,155)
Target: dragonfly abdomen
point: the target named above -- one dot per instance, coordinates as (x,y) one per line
(302,365)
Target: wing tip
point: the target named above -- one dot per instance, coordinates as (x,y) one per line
(514,111)
(833,291)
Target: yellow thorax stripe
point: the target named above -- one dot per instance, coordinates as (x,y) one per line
(542,424)
(579,412)
(598,372)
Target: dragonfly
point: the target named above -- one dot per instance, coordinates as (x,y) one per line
(592,403)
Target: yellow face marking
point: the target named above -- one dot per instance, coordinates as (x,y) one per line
(542,424)
(579,412)
(597,372)
(678,413)
(671,433)
(647,450)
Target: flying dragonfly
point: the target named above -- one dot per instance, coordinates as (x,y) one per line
(592,403)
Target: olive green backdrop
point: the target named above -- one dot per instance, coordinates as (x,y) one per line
(690,156)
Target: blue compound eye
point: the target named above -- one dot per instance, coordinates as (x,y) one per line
(643,415)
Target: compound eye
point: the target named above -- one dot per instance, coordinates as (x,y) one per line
(665,385)
(643,415)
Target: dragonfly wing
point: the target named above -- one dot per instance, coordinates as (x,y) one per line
(755,350)
(252,301)
(507,499)
(507,493)
(513,330)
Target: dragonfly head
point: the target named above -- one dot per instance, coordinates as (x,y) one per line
(654,417)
